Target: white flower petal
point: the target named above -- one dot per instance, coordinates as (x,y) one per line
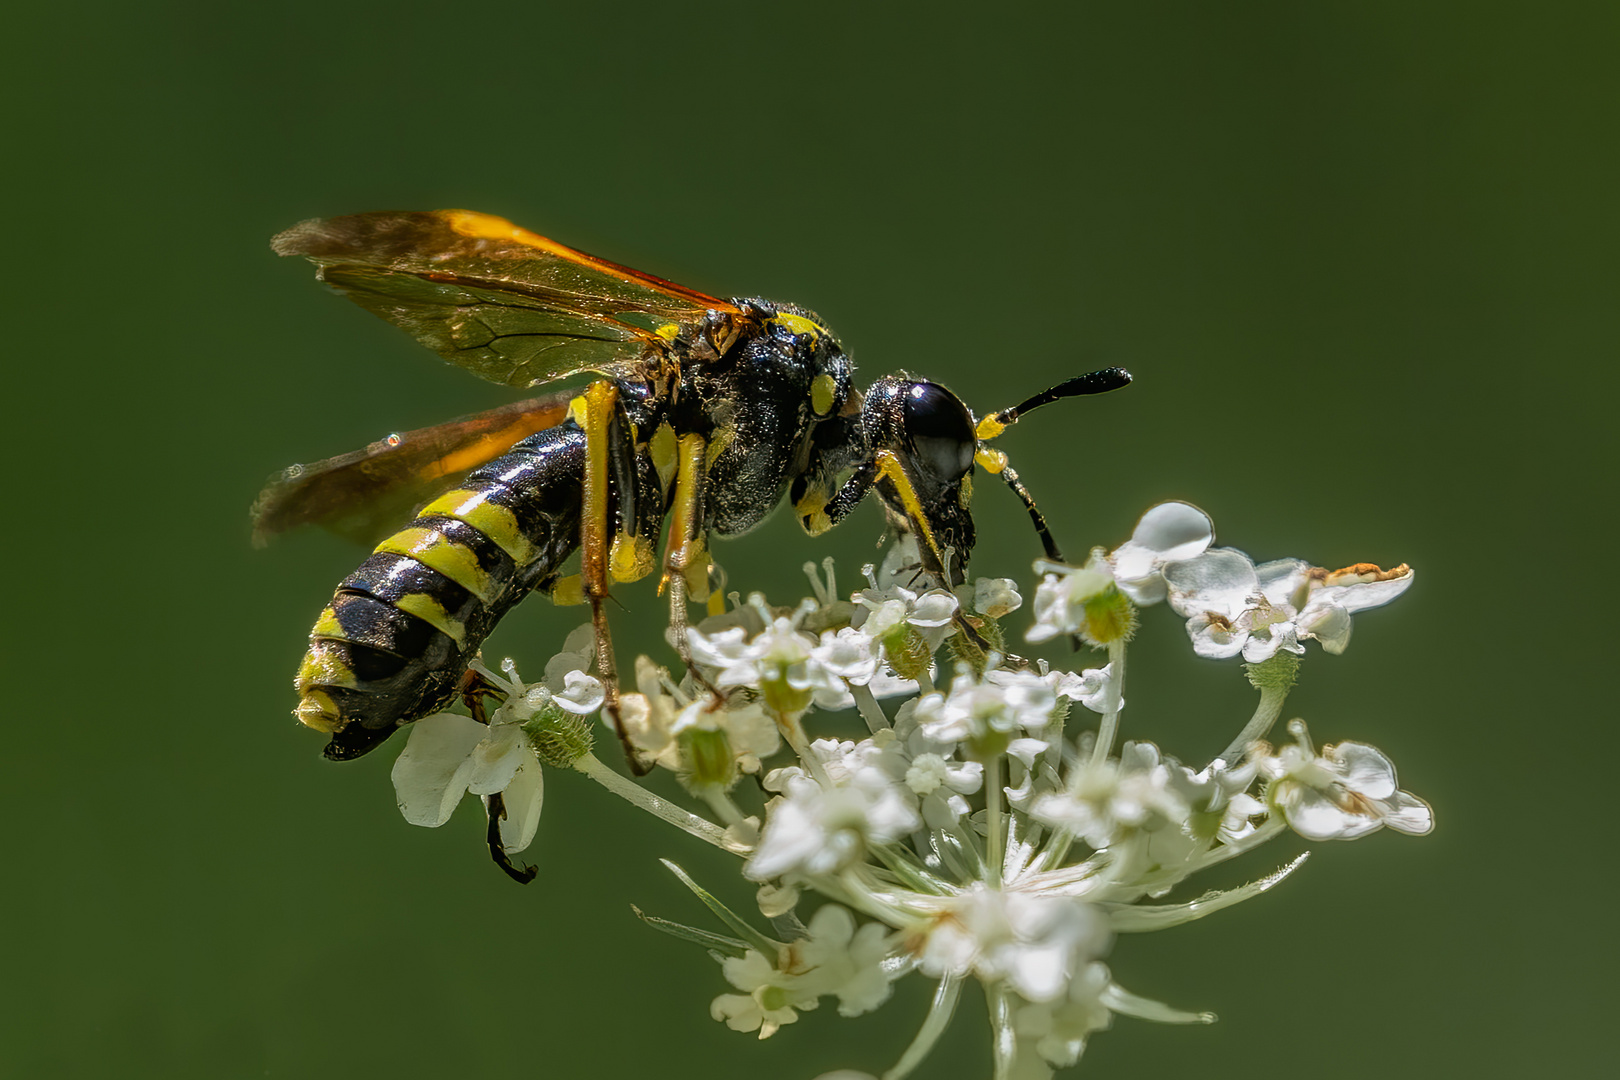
(1316,816)
(1222,581)
(1365,769)
(933,608)
(1215,640)
(582,694)
(430,776)
(497,758)
(1168,532)
(1406,813)
(996,597)
(1174,530)
(522,799)
(1356,588)
(1284,582)
(1329,624)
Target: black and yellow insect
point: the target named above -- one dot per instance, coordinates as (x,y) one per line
(705,412)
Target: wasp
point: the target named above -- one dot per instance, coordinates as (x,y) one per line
(703,414)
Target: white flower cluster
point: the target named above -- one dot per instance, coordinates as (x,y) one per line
(987,828)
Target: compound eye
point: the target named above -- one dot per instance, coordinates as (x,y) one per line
(940,428)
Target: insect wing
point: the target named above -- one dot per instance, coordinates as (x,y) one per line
(361,495)
(507,304)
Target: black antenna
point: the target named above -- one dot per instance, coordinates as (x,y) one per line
(1096,382)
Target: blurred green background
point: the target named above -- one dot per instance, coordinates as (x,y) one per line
(1360,258)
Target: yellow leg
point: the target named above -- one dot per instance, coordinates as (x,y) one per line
(687,550)
(593,411)
(889,468)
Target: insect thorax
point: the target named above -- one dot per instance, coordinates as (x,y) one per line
(759,406)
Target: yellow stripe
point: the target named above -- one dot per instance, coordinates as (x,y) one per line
(317,710)
(321,667)
(432,612)
(327,626)
(451,558)
(493,520)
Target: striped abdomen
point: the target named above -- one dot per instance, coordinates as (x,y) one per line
(395,640)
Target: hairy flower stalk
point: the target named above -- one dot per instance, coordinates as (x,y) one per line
(990,823)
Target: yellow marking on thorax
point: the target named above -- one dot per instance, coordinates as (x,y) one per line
(494,521)
(717,446)
(432,612)
(449,557)
(823,390)
(662,448)
(669,332)
(799,324)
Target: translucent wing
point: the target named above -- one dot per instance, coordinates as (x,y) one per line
(361,495)
(507,304)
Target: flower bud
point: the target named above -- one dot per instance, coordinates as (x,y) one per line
(1109,617)
(559,737)
(907,651)
(708,755)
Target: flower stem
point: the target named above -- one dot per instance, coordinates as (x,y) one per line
(1110,720)
(1265,715)
(870,710)
(660,808)
(933,1025)
(992,819)
(1003,1040)
(724,809)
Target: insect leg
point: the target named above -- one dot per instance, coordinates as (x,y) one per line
(687,551)
(848,497)
(888,467)
(495,807)
(594,411)
(474,689)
